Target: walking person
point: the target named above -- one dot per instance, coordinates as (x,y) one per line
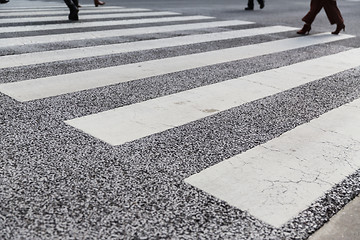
(250,5)
(332,12)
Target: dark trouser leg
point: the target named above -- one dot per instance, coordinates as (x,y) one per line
(76,2)
(261,3)
(70,4)
(250,4)
(333,13)
(315,7)
(73,10)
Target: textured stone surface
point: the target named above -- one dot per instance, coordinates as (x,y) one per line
(59,183)
(343,226)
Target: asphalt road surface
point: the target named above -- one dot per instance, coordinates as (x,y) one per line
(175,120)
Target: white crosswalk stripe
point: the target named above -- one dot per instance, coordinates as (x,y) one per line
(68,54)
(44,8)
(87,17)
(114,33)
(52,86)
(285,175)
(278,172)
(128,123)
(100,24)
(66,11)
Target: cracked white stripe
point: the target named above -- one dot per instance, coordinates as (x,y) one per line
(277,180)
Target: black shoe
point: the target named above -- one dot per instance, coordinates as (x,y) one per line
(74,14)
(249,8)
(305,30)
(339,27)
(4,1)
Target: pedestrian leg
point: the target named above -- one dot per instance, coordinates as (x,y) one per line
(76,2)
(73,10)
(334,15)
(261,3)
(315,8)
(250,5)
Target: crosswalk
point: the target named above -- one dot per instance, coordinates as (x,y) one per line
(272,180)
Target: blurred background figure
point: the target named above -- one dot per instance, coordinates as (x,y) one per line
(251,4)
(98,2)
(4,1)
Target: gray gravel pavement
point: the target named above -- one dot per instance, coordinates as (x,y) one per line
(59,183)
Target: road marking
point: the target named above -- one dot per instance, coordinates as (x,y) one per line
(66,11)
(56,85)
(69,54)
(318,180)
(86,17)
(99,24)
(277,180)
(44,8)
(128,123)
(8,42)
